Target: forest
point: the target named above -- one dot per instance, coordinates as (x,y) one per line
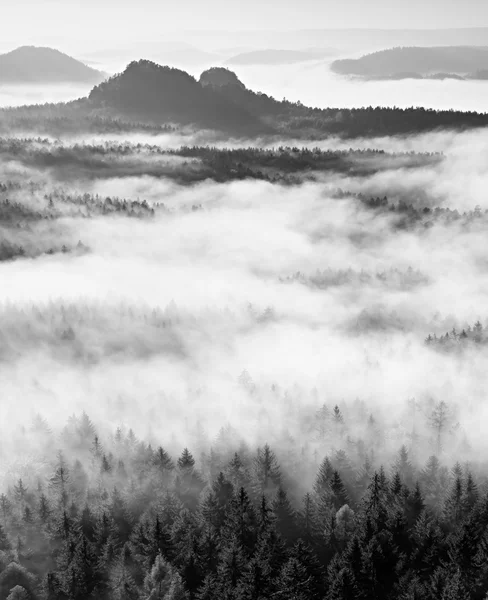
(117,517)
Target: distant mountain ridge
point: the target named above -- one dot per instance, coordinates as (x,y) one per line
(422,61)
(40,65)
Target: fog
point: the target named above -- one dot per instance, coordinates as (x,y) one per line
(217,276)
(314,298)
(314,84)
(18,95)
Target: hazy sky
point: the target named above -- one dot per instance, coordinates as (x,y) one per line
(38,20)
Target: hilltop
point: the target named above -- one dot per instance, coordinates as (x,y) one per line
(461,60)
(149,91)
(219,77)
(31,64)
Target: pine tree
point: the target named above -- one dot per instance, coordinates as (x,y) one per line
(309,560)
(5,507)
(339,492)
(184,536)
(396,487)
(439,420)
(241,521)
(44,510)
(404,467)
(256,581)
(285,518)
(343,466)
(308,520)
(158,581)
(5,545)
(16,575)
(189,482)
(60,481)
(20,493)
(96,450)
(363,478)
(295,582)
(51,588)
(163,468)
(87,524)
(78,482)
(430,479)
(344,524)
(177,589)
(455,506)
(85,430)
(322,422)
(414,505)
(237,473)
(209,545)
(266,476)
(18,593)
(214,504)
(324,476)
(231,565)
(471,492)
(121,517)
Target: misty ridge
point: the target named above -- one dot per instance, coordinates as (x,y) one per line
(454,62)
(30,65)
(243,346)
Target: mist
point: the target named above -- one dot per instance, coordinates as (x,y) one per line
(225,271)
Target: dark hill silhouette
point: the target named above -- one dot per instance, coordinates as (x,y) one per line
(423,61)
(149,91)
(30,64)
(219,77)
(278,57)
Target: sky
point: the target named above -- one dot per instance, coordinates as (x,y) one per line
(102,21)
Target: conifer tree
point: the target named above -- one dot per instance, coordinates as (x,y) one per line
(158,580)
(237,474)
(189,482)
(18,593)
(163,468)
(404,467)
(295,582)
(60,481)
(121,517)
(5,507)
(340,496)
(308,520)
(214,504)
(324,476)
(266,475)
(241,521)
(285,518)
(256,581)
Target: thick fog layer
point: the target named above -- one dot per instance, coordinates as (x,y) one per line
(247,303)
